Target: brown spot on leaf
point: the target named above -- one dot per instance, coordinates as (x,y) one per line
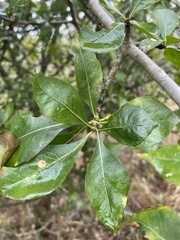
(8,144)
(42,163)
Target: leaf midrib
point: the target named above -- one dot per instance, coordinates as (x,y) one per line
(102,167)
(40,129)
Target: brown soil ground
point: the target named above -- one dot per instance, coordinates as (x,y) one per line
(67,214)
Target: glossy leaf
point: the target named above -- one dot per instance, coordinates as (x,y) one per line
(58,100)
(149,29)
(107,186)
(43,174)
(130,126)
(161,223)
(8,144)
(141,4)
(173,55)
(104,40)
(166,161)
(167,21)
(160,115)
(87,79)
(34,135)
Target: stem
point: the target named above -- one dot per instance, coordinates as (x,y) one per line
(99,12)
(169,86)
(110,78)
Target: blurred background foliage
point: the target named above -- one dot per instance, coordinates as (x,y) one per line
(37,37)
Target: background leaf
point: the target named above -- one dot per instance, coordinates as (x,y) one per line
(8,144)
(147,44)
(161,115)
(149,29)
(172,40)
(79,3)
(34,135)
(167,21)
(46,32)
(104,40)
(107,186)
(18,3)
(166,161)
(160,223)
(43,174)
(58,100)
(173,55)
(111,6)
(6,113)
(87,79)
(114,148)
(130,125)
(141,4)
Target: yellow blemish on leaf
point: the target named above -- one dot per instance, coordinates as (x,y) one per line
(124,200)
(42,163)
(16,164)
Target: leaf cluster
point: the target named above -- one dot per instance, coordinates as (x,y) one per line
(46,153)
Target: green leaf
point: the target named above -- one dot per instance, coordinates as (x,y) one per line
(43,174)
(58,100)
(111,6)
(160,223)
(107,186)
(167,21)
(173,55)
(65,137)
(46,32)
(160,115)
(18,3)
(34,135)
(104,40)
(172,40)
(166,161)
(114,148)
(3,7)
(79,3)
(130,125)
(7,113)
(87,80)
(149,44)
(149,29)
(141,4)
(177,112)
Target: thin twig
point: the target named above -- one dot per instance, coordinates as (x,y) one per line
(19,235)
(109,80)
(40,23)
(99,12)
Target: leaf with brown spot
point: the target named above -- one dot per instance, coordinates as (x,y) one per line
(8,144)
